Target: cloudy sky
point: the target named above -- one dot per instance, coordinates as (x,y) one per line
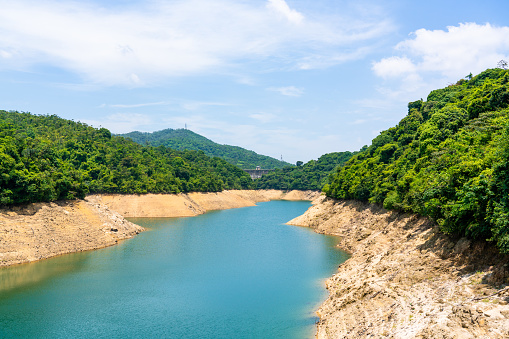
(291,78)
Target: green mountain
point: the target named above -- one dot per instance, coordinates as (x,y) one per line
(183,139)
(46,158)
(309,176)
(447,159)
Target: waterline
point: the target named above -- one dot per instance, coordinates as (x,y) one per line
(237,273)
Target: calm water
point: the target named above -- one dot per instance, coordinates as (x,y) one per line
(237,273)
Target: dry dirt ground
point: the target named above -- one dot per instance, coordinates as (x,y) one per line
(42,230)
(191,204)
(407,280)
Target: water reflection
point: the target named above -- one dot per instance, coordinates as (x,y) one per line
(22,277)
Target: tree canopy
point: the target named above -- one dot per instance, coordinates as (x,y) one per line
(46,158)
(310,176)
(447,159)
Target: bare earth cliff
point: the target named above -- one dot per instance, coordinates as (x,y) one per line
(42,230)
(406,280)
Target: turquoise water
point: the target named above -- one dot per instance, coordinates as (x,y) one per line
(237,273)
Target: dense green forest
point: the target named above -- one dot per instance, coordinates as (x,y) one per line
(183,139)
(46,158)
(448,159)
(309,176)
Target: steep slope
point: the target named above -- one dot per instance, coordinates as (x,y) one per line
(406,279)
(448,159)
(183,139)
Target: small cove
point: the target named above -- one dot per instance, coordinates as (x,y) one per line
(237,273)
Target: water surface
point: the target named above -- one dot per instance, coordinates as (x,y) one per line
(237,273)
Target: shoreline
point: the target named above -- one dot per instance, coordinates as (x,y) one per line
(193,203)
(405,279)
(40,231)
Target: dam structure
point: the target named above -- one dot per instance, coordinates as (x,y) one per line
(257,173)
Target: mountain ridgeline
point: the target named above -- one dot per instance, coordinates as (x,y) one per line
(448,159)
(309,176)
(184,139)
(47,158)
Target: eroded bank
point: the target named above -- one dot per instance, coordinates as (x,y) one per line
(407,280)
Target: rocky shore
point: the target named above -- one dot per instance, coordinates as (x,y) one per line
(43,230)
(407,280)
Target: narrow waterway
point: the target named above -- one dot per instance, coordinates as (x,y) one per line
(239,273)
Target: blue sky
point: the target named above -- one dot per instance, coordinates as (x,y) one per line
(281,77)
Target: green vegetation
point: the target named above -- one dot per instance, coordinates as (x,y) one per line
(183,139)
(448,159)
(310,176)
(46,158)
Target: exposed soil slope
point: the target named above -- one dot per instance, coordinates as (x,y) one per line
(42,230)
(406,280)
(191,204)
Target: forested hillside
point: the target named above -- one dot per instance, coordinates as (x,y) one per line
(310,176)
(46,158)
(183,139)
(448,159)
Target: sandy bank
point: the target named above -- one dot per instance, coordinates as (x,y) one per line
(191,204)
(42,230)
(406,280)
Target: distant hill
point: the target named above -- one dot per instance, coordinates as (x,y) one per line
(184,139)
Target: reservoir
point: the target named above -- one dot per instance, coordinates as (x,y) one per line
(239,273)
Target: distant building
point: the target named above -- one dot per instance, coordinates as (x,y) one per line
(258,172)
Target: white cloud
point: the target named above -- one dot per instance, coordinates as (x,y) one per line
(453,53)
(290,91)
(434,58)
(281,7)
(459,50)
(393,66)
(149,42)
